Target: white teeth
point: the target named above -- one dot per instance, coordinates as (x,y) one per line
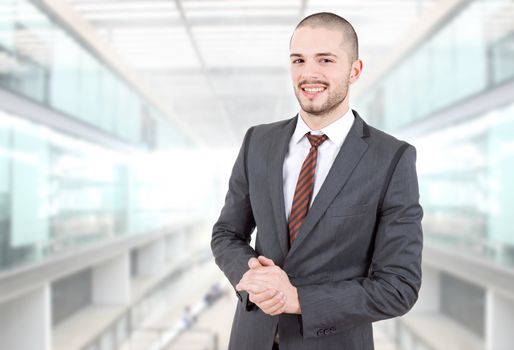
(314,89)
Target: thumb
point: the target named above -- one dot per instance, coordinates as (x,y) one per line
(265,261)
(254,263)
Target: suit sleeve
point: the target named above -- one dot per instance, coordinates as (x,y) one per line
(392,285)
(231,234)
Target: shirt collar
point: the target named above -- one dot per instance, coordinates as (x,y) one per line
(336,131)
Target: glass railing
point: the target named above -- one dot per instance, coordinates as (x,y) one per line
(42,61)
(470,53)
(58,193)
(466,186)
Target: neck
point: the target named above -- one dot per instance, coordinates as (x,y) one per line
(319,121)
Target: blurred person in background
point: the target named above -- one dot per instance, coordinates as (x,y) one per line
(336,206)
(188,318)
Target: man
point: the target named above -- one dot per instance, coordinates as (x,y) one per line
(336,206)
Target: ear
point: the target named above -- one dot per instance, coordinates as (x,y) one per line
(355,71)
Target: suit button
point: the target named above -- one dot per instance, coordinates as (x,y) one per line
(332,329)
(326,331)
(320,332)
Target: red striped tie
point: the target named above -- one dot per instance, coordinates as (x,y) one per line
(304,187)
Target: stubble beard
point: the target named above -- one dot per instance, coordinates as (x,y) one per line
(333,101)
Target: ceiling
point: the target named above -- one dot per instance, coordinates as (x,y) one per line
(222,65)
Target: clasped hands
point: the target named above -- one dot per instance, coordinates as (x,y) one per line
(268,287)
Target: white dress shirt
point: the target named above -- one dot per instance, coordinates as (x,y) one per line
(299,147)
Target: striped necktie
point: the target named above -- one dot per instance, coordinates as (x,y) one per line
(304,187)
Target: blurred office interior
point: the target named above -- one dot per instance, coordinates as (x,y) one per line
(119,124)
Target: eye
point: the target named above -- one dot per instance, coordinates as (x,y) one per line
(326,60)
(298,60)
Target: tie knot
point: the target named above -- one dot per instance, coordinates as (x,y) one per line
(316,140)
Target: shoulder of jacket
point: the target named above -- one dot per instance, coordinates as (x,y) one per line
(382,140)
(266,127)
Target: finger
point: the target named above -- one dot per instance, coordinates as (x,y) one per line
(265,261)
(263,270)
(277,308)
(272,302)
(254,263)
(257,278)
(267,282)
(250,287)
(266,295)
(257,275)
(281,311)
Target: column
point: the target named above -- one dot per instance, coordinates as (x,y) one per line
(499,321)
(111,281)
(151,259)
(25,322)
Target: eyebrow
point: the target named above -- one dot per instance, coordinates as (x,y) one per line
(317,55)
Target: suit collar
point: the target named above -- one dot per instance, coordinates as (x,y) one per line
(361,128)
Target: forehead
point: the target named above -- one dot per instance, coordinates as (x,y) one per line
(308,40)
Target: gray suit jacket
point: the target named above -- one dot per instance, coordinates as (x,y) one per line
(351,264)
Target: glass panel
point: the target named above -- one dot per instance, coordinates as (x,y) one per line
(29,188)
(466,175)
(32,38)
(500,38)
(41,60)
(502,53)
(500,151)
(109,85)
(56,192)
(5,193)
(472,52)
(7,19)
(64,83)
(89,88)
(470,69)
(421,81)
(442,83)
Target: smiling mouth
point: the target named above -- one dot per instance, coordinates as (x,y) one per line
(311,91)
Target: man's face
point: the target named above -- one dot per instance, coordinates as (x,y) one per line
(320,69)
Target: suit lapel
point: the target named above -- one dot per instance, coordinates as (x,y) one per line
(277,150)
(346,160)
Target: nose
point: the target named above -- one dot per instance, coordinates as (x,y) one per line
(310,71)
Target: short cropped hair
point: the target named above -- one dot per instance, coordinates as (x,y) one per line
(332,21)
